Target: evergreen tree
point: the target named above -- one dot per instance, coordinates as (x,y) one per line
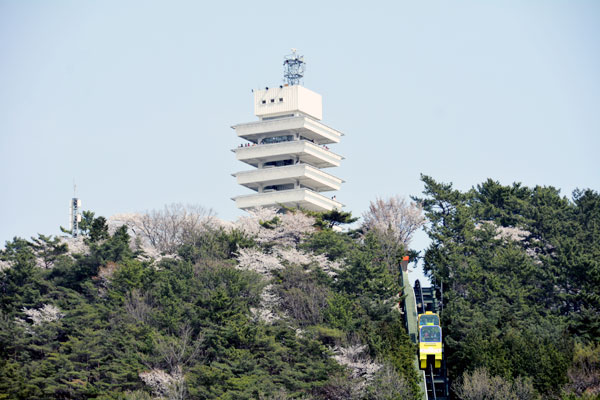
(512,261)
(48,248)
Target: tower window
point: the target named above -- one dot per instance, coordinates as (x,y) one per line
(264,102)
(279,163)
(272,100)
(281,99)
(278,187)
(277,139)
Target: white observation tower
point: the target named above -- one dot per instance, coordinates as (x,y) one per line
(288,148)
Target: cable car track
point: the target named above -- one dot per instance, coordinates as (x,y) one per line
(436,381)
(415,301)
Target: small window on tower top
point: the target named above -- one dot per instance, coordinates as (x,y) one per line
(264,102)
(272,100)
(281,99)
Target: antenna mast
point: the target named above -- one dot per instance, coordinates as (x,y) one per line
(293,68)
(75,217)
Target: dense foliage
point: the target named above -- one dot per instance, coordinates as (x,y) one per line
(110,322)
(520,273)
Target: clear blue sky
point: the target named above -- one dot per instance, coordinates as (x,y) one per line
(135,99)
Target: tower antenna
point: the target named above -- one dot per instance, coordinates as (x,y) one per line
(75,215)
(293,68)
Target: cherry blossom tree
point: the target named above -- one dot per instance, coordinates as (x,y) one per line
(394,218)
(169,228)
(256,260)
(393,222)
(165,385)
(355,356)
(266,225)
(47,313)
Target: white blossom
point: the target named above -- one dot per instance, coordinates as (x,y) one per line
(331,268)
(264,315)
(290,228)
(294,256)
(296,225)
(263,213)
(168,228)
(268,297)
(4,265)
(356,358)
(516,234)
(394,218)
(48,313)
(511,233)
(300,257)
(269,303)
(250,224)
(163,384)
(255,260)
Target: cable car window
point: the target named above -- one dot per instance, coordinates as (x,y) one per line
(431,333)
(426,319)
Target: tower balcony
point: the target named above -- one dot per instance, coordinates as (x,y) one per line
(300,175)
(301,150)
(301,125)
(293,198)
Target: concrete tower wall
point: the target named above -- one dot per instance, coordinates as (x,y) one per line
(287,100)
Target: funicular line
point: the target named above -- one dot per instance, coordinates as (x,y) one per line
(435,383)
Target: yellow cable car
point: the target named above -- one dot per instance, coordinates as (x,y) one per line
(430,340)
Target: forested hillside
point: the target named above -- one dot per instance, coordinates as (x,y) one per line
(520,272)
(177,304)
